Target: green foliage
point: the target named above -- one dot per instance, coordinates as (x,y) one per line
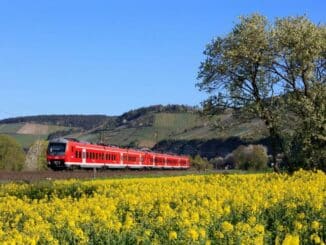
(11,154)
(252,157)
(200,163)
(307,146)
(256,65)
(217,162)
(10,128)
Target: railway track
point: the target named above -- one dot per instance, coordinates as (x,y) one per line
(31,176)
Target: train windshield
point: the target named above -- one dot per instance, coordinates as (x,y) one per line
(56,148)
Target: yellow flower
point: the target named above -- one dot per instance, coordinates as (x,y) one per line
(259,228)
(315,225)
(208,242)
(301,215)
(297,225)
(193,234)
(202,233)
(173,235)
(219,235)
(291,240)
(315,238)
(227,227)
(252,220)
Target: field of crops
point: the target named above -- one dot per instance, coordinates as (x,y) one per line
(194,209)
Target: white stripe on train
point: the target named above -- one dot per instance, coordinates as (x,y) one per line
(99,165)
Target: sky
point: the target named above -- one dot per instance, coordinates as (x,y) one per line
(109,57)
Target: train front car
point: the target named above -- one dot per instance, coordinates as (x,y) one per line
(56,153)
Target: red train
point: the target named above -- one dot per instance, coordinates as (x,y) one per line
(69,153)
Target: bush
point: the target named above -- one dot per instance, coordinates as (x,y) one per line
(11,154)
(200,163)
(252,157)
(217,162)
(229,162)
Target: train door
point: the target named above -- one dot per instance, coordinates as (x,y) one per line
(83,156)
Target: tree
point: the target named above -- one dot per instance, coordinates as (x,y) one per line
(251,157)
(237,69)
(200,163)
(11,154)
(272,70)
(307,145)
(299,61)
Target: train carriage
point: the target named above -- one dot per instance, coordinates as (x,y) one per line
(70,153)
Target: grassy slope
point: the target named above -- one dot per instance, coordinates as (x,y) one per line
(10,128)
(177,126)
(152,127)
(27,139)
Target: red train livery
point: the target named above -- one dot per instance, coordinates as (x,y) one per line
(69,153)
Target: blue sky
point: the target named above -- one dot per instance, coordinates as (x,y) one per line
(107,57)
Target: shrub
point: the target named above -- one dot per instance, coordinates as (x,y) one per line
(200,163)
(217,162)
(11,154)
(229,161)
(252,157)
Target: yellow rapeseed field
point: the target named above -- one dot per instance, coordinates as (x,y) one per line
(203,209)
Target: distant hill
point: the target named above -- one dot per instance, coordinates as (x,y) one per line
(173,128)
(79,121)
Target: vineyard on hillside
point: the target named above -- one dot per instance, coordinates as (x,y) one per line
(193,209)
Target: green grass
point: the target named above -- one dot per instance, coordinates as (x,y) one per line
(177,121)
(165,126)
(10,128)
(26,140)
(177,126)
(88,137)
(54,128)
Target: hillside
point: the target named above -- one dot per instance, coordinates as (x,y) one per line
(78,121)
(173,128)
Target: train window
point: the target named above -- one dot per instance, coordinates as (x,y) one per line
(102,156)
(76,154)
(96,155)
(87,154)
